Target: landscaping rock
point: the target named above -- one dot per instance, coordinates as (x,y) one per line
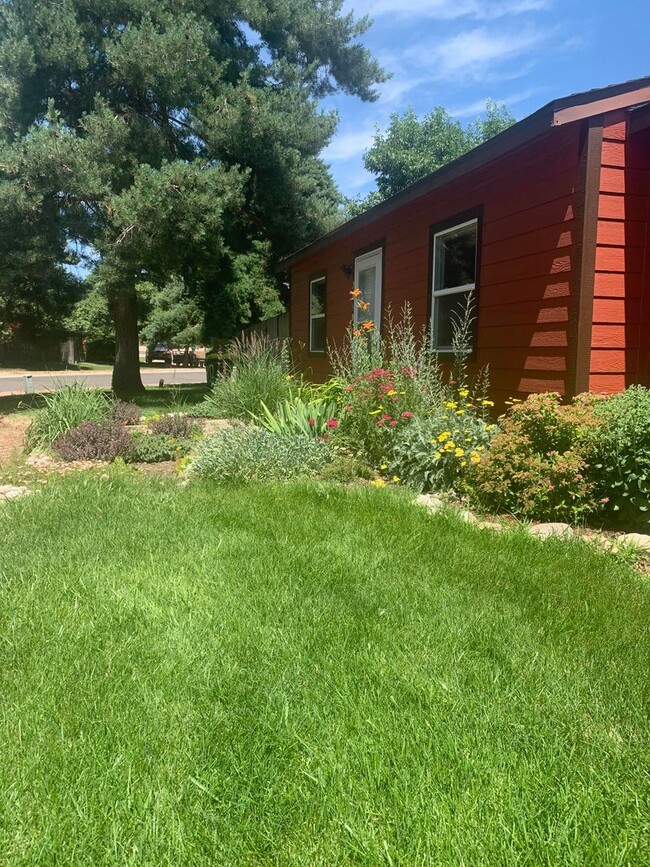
(638,540)
(468,516)
(430,501)
(543,531)
(13,492)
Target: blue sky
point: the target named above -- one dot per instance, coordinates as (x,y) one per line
(459,53)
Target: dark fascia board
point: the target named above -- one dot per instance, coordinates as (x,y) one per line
(639,118)
(518,134)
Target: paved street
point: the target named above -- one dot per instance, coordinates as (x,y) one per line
(15,384)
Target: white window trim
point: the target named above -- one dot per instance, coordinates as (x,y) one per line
(358,266)
(316,316)
(450,290)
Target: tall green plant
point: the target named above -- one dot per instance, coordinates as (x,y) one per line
(66,408)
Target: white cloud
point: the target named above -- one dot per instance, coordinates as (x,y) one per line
(445,9)
(473,52)
(350,144)
(478,106)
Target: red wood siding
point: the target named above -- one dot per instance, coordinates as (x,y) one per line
(620,343)
(527,280)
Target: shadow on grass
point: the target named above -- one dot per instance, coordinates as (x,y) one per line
(153,399)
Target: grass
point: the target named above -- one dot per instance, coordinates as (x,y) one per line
(152,400)
(308,675)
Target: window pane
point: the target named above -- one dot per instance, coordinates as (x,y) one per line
(318,334)
(368,285)
(448,310)
(318,298)
(456,258)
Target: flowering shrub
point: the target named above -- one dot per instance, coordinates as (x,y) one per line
(376,408)
(537,467)
(124,412)
(154,448)
(434,453)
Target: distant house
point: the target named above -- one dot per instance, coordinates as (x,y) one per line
(548,225)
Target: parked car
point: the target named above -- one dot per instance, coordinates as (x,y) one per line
(185,357)
(159,352)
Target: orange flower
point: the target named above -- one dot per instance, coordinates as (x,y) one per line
(357,332)
(369,325)
(363,305)
(355,293)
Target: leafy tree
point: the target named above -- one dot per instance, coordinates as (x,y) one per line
(172,139)
(412,148)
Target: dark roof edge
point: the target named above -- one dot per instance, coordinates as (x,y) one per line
(516,135)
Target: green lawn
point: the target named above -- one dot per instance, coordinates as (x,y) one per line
(307,675)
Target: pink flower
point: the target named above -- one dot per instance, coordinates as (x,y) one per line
(605,500)
(407,414)
(349,388)
(348,407)
(393,423)
(312,422)
(332,423)
(386,417)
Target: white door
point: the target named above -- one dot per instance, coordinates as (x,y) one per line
(367,278)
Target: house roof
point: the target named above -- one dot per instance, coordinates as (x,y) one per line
(555,113)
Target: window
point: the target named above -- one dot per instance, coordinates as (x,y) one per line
(454,278)
(367,278)
(317,315)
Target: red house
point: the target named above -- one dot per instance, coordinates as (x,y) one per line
(547,224)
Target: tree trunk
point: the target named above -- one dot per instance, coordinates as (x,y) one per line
(126,372)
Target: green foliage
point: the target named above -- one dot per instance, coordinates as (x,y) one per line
(173,317)
(249,454)
(103,440)
(92,318)
(66,408)
(161,138)
(619,456)
(295,416)
(152,448)
(538,465)
(411,148)
(345,469)
(436,453)
(259,372)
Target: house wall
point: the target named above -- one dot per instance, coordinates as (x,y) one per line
(621,314)
(527,283)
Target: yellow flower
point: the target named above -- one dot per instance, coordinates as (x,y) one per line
(391,392)
(378,483)
(475,459)
(468,439)
(463,463)
(395,479)
(450,404)
(375,411)
(450,445)
(438,454)
(464,392)
(487,403)
(383,467)
(459,452)
(443,436)
(489,427)
(460,412)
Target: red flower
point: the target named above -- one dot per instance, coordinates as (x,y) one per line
(332,423)
(393,423)
(349,388)
(407,414)
(386,417)
(312,422)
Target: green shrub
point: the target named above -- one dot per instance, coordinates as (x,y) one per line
(66,408)
(537,467)
(103,440)
(259,372)
(620,455)
(250,453)
(433,454)
(345,469)
(154,448)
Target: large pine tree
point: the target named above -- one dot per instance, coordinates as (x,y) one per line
(171,137)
